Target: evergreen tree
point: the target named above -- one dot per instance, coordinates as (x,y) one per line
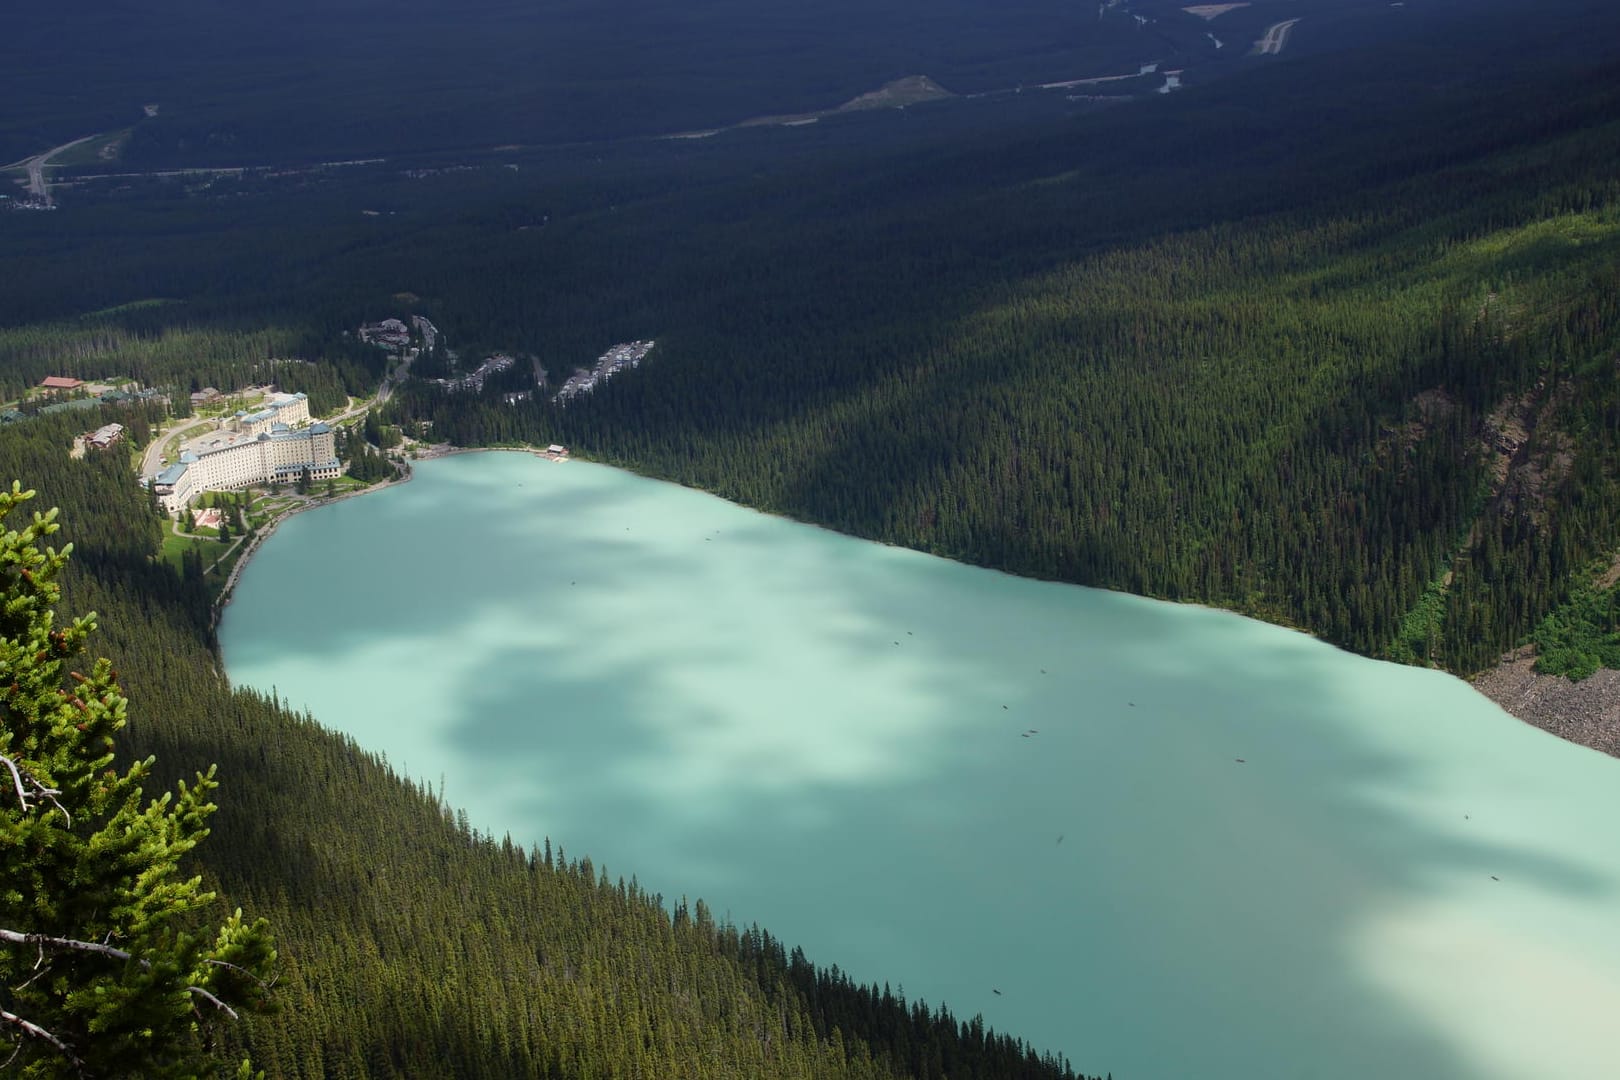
(105,966)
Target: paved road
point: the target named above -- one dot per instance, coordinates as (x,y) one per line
(152,459)
(37,187)
(384,392)
(1275,38)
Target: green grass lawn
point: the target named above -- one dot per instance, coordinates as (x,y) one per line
(271,504)
(175,548)
(344,484)
(223,571)
(267,507)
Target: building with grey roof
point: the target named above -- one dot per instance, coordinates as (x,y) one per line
(266,457)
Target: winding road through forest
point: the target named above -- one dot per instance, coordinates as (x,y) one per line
(1276,36)
(38,187)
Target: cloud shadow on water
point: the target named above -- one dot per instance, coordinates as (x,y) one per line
(834,740)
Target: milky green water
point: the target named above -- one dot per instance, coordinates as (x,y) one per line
(962,782)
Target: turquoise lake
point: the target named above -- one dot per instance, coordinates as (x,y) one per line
(1178,842)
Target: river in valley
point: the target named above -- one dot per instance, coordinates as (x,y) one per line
(1162,840)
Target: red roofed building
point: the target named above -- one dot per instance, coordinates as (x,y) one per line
(61,382)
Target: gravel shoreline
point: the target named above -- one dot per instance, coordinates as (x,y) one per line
(1585,712)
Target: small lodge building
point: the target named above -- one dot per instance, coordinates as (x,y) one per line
(60,384)
(105,436)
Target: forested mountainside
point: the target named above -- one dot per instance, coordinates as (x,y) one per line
(411,945)
(1364,385)
(1330,342)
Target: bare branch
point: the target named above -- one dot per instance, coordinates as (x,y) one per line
(242,971)
(40,790)
(71,944)
(214,1001)
(40,1033)
(41,968)
(44,942)
(16,778)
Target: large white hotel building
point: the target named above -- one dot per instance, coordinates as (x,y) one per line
(273,445)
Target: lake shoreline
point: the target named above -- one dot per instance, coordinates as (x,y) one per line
(1586,713)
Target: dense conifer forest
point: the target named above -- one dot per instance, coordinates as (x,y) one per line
(1379,403)
(1332,342)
